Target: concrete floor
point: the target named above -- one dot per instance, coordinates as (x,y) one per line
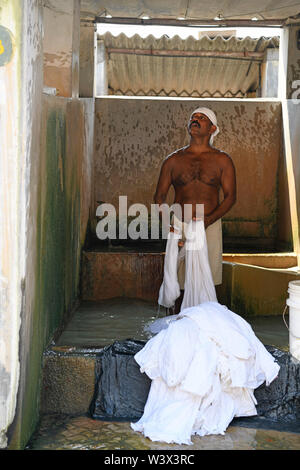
(98,324)
(82,433)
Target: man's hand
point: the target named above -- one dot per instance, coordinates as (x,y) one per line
(207,221)
(181,242)
(206,224)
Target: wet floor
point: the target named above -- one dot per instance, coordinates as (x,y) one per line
(101,323)
(58,432)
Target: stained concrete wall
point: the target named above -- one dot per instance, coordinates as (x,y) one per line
(60,187)
(45,187)
(133,136)
(61,46)
(253,290)
(289,92)
(246,289)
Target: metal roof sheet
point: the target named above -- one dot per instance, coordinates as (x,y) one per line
(135,74)
(192,8)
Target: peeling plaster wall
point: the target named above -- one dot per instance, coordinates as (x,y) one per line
(133,136)
(61,46)
(20,115)
(45,187)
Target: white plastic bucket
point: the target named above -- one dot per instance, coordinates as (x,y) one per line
(293,302)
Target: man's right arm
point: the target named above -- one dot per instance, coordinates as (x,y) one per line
(164,182)
(163,186)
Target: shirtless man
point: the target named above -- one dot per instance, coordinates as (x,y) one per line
(197,172)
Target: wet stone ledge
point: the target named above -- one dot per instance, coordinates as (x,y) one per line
(121,389)
(68,379)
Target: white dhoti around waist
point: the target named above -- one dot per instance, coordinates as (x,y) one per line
(215,250)
(198,281)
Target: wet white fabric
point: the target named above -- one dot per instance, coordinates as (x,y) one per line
(212,117)
(199,285)
(169,290)
(204,366)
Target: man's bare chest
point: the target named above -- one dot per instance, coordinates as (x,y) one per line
(197,171)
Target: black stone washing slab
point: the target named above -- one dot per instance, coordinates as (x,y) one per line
(260,422)
(281,399)
(121,390)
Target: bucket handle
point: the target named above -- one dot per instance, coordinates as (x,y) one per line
(283,314)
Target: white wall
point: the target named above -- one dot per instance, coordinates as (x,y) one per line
(20,112)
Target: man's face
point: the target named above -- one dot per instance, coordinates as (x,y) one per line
(200,125)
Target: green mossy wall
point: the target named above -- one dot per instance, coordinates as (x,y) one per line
(254,291)
(58,248)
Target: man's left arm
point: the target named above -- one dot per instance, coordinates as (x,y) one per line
(228,184)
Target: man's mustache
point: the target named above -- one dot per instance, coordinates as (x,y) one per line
(195,122)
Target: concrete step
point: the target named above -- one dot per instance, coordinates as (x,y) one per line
(264,260)
(253,284)
(72,380)
(129,274)
(278,401)
(68,380)
(69,366)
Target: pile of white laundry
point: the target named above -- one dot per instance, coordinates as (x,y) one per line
(205,362)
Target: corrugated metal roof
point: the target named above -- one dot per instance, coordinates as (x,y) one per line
(192,8)
(139,75)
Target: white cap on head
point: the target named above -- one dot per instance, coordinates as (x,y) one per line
(212,117)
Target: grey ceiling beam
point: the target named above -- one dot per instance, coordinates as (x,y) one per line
(181,53)
(273,23)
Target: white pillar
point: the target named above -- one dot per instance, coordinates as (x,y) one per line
(101,71)
(289,62)
(88,54)
(270,74)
